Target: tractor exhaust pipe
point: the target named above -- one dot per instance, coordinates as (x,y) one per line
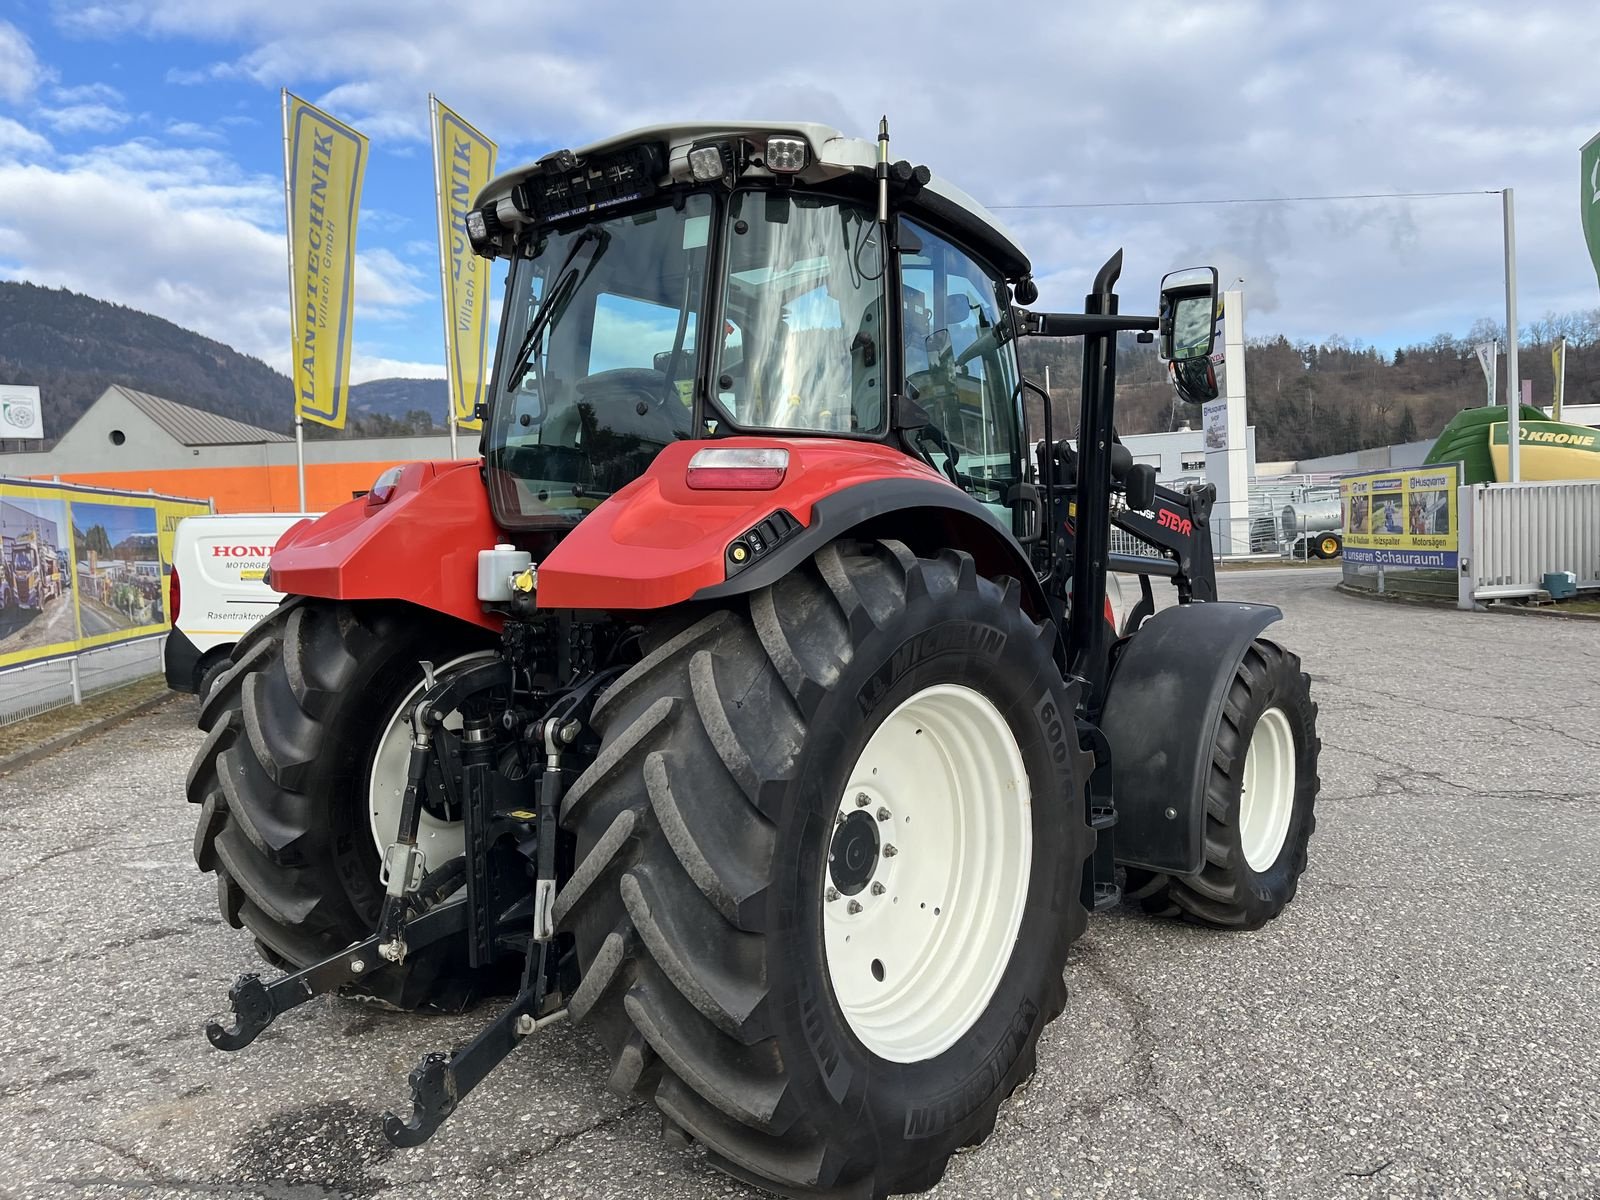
(1087,632)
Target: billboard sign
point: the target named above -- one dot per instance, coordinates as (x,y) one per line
(19,412)
(1401,518)
(82,567)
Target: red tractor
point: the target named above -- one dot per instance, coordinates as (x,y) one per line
(752,700)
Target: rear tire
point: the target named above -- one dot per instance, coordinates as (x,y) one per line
(1256,838)
(281,780)
(1329,546)
(706,832)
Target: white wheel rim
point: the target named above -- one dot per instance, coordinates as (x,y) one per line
(915,953)
(439,841)
(1266,799)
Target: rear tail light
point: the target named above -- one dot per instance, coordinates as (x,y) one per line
(744,469)
(174,595)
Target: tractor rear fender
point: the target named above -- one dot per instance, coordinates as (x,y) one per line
(1163,702)
(655,543)
(659,542)
(419,545)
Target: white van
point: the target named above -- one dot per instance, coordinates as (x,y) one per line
(219,590)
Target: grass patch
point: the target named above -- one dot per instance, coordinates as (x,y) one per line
(70,718)
(1583,604)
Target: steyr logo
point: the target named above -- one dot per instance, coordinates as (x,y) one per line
(1171,520)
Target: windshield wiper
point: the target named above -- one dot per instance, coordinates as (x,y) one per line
(555,300)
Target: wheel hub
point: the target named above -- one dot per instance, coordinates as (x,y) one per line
(853,855)
(440,833)
(928,869)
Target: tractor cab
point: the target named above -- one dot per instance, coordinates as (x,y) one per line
(708,281)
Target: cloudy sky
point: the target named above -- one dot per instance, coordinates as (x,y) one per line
(141,152)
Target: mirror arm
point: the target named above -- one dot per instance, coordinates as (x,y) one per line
(1036,324)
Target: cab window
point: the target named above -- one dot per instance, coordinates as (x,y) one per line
(961,369)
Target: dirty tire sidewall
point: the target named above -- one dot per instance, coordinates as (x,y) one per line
(281,780)
(697,900)
(918,1111)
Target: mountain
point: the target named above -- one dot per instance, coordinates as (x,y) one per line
(399,398)
(74,346)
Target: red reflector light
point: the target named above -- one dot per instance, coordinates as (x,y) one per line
(175,595)
(384,487)
(732,469)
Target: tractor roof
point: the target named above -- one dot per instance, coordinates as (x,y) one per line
(832,156)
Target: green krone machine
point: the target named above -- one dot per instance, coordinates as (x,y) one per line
(1551,450)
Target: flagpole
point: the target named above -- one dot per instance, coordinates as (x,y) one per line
(294,332)
(444,273)
(1561,381)
(1513,381)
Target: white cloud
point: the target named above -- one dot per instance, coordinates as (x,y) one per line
(20,72)
(193,131)
(386,285)
(1173,100)
(84,118)
(367,367)
(204,268)
(86,93)
(17,139)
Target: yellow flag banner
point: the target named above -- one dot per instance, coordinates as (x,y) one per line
(1558,366)
(463,162)
(323,162)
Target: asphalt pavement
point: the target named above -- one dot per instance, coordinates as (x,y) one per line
(1423,1021)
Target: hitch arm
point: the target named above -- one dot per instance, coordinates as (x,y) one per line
(256,1005)
(440,1082)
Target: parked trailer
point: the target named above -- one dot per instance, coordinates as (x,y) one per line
(1313,527)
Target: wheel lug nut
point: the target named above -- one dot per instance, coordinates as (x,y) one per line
(890,851)
(884,814)
(831,895)
(853,907)
(862,799)
(878,889)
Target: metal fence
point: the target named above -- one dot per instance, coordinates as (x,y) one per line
(1513,534)
(34,688)
(1268,497)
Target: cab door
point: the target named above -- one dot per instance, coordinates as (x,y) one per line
(961,368)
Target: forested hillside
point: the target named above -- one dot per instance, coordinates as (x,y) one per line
(1312,399)
(74,346)
(1305,400)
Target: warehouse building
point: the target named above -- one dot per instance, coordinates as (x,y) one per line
(134,441)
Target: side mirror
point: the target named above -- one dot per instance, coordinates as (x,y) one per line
(1188,332)
(1188,314)
(1194,379)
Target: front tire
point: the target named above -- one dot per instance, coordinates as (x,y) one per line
(732,762)
(293,729)
(1260,802)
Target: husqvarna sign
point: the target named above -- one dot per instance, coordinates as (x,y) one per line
(19,412)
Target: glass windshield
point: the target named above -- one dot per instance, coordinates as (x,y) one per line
(803,339)
(597,360)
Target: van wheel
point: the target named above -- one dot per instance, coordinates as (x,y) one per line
(206,677)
